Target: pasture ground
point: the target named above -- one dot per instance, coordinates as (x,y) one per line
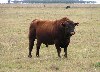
(83,51)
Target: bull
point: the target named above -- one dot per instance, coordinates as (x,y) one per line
(48,32)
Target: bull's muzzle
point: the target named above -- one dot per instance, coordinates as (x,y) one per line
(72,33)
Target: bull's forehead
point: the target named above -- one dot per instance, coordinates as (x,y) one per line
(70,21)
(66,20)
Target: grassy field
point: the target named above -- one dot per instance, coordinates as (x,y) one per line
(83,51)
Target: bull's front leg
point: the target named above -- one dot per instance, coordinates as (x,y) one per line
(65,50)
(58,49)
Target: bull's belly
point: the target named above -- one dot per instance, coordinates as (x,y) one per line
(46,39)
(48,42)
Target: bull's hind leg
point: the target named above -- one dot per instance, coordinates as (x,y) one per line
(38,47)
(31,43)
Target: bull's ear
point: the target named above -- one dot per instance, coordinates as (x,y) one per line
(76,24)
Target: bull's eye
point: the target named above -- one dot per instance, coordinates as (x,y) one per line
(66,27)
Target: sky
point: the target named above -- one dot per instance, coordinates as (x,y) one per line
(6,1)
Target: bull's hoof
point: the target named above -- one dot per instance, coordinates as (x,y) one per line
(59,56)
(65,56)
(29,56)
(37,55)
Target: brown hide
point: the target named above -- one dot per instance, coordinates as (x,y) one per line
(47,31)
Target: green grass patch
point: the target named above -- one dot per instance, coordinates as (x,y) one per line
(97,64)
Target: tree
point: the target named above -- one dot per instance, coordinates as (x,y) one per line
(8,1)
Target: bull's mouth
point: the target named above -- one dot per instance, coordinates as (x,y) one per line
(70,34)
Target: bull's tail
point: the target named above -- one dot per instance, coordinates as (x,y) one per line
(32,29)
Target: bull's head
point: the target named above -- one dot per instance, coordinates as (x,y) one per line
(69,27)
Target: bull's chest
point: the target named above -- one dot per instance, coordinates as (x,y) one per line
(64,43)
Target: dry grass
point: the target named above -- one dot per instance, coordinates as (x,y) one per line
(83,51)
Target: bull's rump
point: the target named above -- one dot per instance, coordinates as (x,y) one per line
(46,32)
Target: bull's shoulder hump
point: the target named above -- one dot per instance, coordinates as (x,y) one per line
(35,20)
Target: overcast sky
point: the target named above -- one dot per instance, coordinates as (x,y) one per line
(6,1)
